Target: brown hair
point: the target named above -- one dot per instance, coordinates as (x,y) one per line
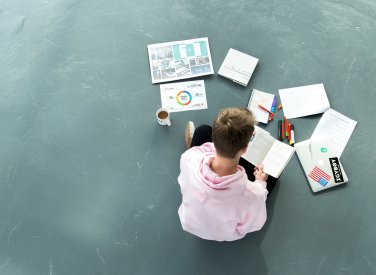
(232,130)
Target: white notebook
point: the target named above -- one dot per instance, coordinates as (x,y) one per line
(304,101)
(265,149)
(238,67)
(266,100)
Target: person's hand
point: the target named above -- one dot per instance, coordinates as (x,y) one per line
(259,173)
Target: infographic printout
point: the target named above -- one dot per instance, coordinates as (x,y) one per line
(180,60)
(184,96)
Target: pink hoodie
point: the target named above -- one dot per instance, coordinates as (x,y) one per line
(218,208)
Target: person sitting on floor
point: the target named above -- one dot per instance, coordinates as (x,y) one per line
(223,195)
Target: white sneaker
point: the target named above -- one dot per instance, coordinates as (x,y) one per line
(189,131)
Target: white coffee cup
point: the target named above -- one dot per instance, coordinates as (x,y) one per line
(163,116)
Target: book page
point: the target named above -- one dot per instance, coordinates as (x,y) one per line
(259,146)
(337,127)
(277,158)
(304,101)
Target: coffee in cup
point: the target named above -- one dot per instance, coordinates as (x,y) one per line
(163,117)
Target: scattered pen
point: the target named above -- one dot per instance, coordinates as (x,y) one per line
(287,128)
(273,108)
(292,139)
(270,113)
(280,130)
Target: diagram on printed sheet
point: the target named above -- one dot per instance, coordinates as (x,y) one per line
(180,60)
(184,96)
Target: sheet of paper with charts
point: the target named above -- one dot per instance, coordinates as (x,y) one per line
(184,96)
(265,149)
(180,60)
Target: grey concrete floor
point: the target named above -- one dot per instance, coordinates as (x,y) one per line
(88,178)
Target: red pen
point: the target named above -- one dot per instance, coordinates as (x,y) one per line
(287,128)
(270,113)
(282,129)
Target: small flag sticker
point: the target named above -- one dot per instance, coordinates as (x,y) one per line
(319,176)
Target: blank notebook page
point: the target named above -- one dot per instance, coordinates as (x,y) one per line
(304,101)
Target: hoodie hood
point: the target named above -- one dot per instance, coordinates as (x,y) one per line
(213,182)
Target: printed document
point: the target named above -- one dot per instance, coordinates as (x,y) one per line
(184,96)
(337,127)
(176,60)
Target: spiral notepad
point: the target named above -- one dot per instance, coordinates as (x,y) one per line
(266,100)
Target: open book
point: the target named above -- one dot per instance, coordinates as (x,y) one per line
(265,149)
